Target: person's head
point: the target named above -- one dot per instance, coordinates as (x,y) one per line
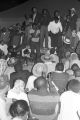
(56,20)
(74,85)
(2,42)
(59,67)
(56,13)
(72,11)
(40,83)
(77,73)
(74,67)
(45,11)
(34,10)
(19,109)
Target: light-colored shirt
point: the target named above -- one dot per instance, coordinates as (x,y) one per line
(3,112)
(4,48)
(18,96)
(55,27)
(51,66)
(70,105)
(9,70)
(30,82)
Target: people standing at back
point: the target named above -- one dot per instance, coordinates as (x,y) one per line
(54,29)
(45,19)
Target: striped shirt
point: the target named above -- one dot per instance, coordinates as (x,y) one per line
(43,107)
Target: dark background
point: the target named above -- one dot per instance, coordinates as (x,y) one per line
(12,11)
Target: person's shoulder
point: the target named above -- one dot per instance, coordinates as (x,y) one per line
(32,92)
(26,71)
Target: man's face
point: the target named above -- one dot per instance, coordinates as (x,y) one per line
(34,10)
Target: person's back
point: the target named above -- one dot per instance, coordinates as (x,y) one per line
(19,74)
(59,77)
(43,104)
(70,102)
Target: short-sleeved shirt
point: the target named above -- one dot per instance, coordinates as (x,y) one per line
(70,106)
(43,107)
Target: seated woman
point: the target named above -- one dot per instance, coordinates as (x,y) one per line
(19,110)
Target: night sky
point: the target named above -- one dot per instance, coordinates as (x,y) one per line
(51,5)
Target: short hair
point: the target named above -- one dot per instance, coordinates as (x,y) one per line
(19,108)
(74,67)
(40,82)
(77,73)
(73,85)
(59,66)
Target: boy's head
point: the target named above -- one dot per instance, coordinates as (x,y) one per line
(40,83)
(74,85)
(59,67)
(19,108)
(74,67)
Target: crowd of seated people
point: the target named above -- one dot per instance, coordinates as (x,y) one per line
(40,67)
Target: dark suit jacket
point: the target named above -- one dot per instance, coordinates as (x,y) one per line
(23,75)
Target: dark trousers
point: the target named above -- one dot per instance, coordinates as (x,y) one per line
(56,40)
(44,35)
(35,46)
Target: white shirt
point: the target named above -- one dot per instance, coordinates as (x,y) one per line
(4,48)
(3,112)
(9,70)
(55,27)
(70,105)
(18,96)
(30,82)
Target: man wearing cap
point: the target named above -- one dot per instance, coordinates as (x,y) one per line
(43,100)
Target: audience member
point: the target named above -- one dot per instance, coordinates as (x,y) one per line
(60,78)
(44,103)
(70,102)
(19,110)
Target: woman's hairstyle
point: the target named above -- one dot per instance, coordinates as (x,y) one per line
(19,108)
